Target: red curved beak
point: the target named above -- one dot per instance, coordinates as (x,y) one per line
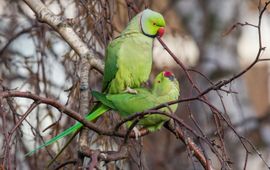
(160,31)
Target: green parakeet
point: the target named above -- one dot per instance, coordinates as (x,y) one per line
(165,88)
(128,61)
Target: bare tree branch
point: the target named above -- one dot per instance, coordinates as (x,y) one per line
(43,14)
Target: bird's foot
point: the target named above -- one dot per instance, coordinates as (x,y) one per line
(103,155)
(136,132)
(130,90)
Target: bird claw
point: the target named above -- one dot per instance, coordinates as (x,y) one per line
(136,132)
(130,90)
(103,155)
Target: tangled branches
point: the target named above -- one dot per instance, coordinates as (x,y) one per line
(193,138)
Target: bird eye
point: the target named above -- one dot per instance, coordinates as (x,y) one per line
(154,23)
(159,81)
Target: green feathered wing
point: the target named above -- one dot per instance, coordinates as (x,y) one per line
(92,116)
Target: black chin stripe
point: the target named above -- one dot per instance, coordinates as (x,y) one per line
(152,36)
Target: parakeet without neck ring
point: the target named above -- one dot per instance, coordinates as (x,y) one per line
(165,89)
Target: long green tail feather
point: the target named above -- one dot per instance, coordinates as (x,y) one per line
(93,115)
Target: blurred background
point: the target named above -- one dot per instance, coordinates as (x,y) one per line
(33,57)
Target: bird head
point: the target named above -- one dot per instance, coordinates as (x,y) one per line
(152,23)
(164,83)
